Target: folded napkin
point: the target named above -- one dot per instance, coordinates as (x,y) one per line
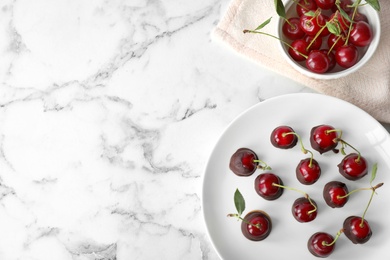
(368,88)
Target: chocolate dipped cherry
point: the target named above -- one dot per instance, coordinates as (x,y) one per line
(244,162)
(283,137)
(357,229)
(256,225)
(323,138)
(353,167)
(308,171)
(335,194)
(267,185)
(304,209)
(321,244)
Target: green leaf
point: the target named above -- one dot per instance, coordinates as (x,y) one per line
(333,28)
(239,202)
(373,172)
(345,15)
(375,4)
(261,26)
(280,10)
(310,13)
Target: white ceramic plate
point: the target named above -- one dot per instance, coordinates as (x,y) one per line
(288,238)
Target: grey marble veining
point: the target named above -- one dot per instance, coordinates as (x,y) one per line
(108,112)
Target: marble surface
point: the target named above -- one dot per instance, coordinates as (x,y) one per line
(108,112)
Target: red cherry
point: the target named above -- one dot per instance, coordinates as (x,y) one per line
(357,232)
(311,25)
(265,188)
(345,5)
(352,167)
(308,174)
(341,21)
(321,140)
(361,34)
(331,58)
(292,29)
(360,17)
(317,62)
(332,192)
(318,244)
(347,56)
(335,41)
(257,225)
(303,6)
(282,137)
(303,210)
(298,47)
(242,162)
(325,4)
(315,43)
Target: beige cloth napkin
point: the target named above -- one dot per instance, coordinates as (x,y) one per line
(368,88)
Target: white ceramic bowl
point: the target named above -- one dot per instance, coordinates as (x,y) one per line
(365,53)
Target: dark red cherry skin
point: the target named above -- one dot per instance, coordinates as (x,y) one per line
(297,48)
(304,6)
(250,229)
(312,25)
(347,55)
(292,29)
(354,231)
(360,17)
(341,21)
(306,174)
(352,168)
(331,58)
(242,162)
(325,4)
(265,188)
(317,43)
(282,137)
(332,191)
(335,41)
(317,62)
(346,5)
(301,208)
(316,246)
(322,141)
(361,34)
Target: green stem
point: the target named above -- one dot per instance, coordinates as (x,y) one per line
(335,239)
(303,149)
(244,220)
(369,202)
(263,166)
(302,192)
(351,24)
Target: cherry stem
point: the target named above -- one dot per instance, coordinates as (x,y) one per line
(264,165)
(304,150)
(369,202)
(346,143)
(244,220)
(270,35)
(302,192)
(319,32)
(351,24)
(335,239)
(361,189)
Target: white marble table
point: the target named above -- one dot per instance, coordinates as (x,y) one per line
(108,112)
